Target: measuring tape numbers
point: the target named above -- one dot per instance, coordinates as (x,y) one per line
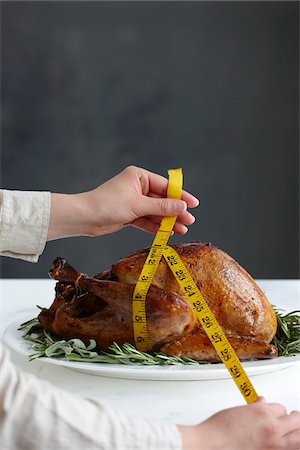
(210,324)
(140,331)
(204,314)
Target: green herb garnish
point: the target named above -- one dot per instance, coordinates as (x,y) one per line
(287,338)
(46,345)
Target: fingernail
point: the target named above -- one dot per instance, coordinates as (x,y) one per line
(197,202)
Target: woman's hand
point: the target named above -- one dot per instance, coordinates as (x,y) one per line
(135,197)
(259,426)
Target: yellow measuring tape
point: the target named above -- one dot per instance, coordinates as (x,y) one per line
(146,276)
(193,295)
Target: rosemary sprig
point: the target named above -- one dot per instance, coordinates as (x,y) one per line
(287,340)
(45,345)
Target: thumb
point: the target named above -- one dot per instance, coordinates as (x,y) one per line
(163,207)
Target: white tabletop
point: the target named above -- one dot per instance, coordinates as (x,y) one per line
(185,402)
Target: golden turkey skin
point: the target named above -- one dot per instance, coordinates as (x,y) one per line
(100,307)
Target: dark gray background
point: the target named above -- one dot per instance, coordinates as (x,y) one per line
(90,87)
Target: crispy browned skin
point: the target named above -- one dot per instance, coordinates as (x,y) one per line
(238,303)
(102,310)
(168,315)
(197,346)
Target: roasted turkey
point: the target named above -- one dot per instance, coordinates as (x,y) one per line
(100,307)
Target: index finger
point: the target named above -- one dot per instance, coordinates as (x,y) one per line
(159,186)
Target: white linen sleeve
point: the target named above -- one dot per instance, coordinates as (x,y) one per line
(35,415)
(24,222)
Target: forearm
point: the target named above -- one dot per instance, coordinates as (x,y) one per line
(69,216)
(191,437)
